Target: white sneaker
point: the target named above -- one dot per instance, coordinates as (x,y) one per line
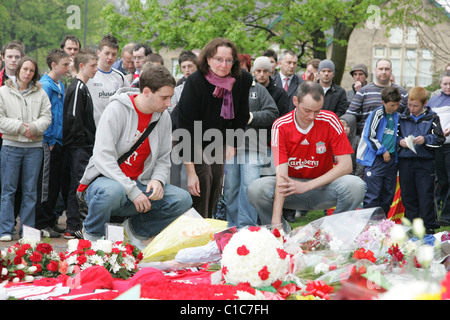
(131,237)
(6,238)
(87,236)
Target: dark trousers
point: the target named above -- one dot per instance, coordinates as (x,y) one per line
(381,180)
(78,158)
(417,177)
(49,186)
(211,183)
(442,158)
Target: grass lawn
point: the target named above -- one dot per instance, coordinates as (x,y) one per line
(313,215)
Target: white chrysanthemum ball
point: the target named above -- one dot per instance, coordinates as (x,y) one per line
(254,255)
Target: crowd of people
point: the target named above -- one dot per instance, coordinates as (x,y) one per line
(114,139)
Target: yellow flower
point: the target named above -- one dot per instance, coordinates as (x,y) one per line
(428,296)
(302,297)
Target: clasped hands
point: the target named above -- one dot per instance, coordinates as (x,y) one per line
(287,186)
(143,202)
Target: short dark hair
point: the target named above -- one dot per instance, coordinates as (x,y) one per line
(148,51)
(70,38)
(391,94)
(210,50)
(310,87)
(84,56)
(155,58)
(270,53)
(187,55)
(56,55)
(36,76)
(110,41)
(155,77)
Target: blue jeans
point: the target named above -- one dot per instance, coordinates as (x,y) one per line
(106,198)
(240,171)
(14,160)
(346,193)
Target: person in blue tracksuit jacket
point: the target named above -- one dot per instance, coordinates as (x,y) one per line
(417,172)
(50,181)
(377,151)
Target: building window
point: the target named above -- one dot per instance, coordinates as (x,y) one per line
(411,65)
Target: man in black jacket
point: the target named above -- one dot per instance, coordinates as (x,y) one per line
(288,66)
(261,71)
(335,96)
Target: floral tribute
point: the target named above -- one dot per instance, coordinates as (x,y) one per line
(24,261)
(119,258)
(254,256)
(375,234)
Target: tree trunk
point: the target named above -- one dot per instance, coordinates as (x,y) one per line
(339,51)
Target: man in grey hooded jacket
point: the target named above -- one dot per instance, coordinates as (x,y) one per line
(136,188)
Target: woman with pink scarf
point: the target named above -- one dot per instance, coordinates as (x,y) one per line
(213,105)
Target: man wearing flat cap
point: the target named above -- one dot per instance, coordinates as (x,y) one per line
(359,74)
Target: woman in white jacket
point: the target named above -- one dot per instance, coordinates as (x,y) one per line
(25,113)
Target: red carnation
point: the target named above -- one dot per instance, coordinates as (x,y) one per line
(81,259)
(282,253)
(52,266)
(140,256)
(224,270)
(242,250)
(90,252)
(264,273)
(20,253)
(17,260)
(20,274)
(83,244)
(36,257)
(25,246)
(44,248)
(276,233)
(38,267)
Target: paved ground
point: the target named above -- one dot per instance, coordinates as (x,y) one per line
(59,244)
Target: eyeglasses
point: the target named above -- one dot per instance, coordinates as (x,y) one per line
(221,60)
(137,58)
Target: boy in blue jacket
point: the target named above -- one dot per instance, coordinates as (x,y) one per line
(377,151)
(52,168)
(416,162)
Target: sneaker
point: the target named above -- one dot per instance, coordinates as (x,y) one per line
(87,236)
(6,238)
(131,237)
(49,233)
(58,229)
(72,234)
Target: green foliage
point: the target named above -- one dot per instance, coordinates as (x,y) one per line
(41,24)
